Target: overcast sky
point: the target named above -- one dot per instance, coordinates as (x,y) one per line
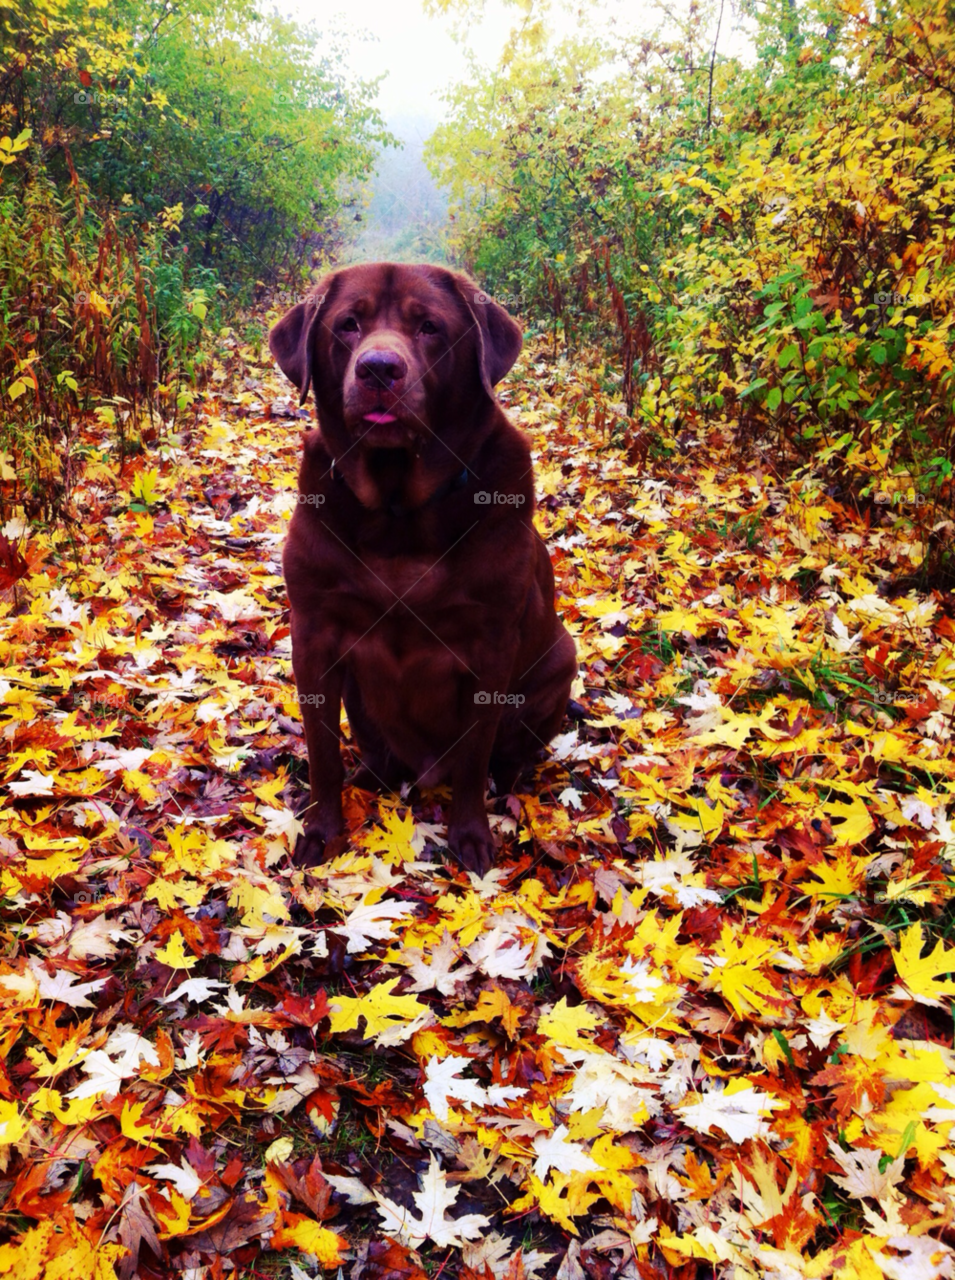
(417,52)
(421,58)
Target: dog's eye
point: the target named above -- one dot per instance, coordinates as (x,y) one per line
(348,325)
(428,327)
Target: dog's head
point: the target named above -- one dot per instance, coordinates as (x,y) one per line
(400,357)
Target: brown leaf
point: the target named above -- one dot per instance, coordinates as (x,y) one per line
(135,1227)
(244,1221)
(385,1260)
(306,1184)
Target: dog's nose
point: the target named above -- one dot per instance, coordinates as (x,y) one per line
(383,368)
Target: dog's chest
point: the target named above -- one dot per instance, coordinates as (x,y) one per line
(410,626)
(418,583)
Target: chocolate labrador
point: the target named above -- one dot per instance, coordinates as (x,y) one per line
(420,592)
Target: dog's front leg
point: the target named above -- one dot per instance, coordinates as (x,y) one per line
(469,833)
(319,677)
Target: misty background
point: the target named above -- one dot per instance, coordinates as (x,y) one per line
(405,212)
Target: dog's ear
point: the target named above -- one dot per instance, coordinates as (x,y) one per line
(500,336)
(292,340)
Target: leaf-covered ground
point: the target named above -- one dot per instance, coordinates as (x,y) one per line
(697,1022)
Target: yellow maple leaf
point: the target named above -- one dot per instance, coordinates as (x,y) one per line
(25,1257)
(173,1222)
(660,937)
(616,1186)
(59,1251)
(902,1122)
(59,864)
(676,1249)
(819,953)
(12,1125)
(280,1150)
(463,916)
(140,783)
(69,1053)
(857,823)
(173,953)
(77,1111)
(259,966)
(636,985)
(270,792)
(920,974)
(395,839)
(549,1197)
(582,1126)
(256,901)
(905,891)
(834,882)
(606,609)
(705,821)
(563,1025)
(746,990)
(688,620)
(858,1263)
(193,851)
(299,1232)
(381,1011)
(430,1043)
(167,894)
(132,1128)
(492,1003)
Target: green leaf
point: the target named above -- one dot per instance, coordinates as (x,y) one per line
(787,355)
(754,386)
(784,1045)
(774,399)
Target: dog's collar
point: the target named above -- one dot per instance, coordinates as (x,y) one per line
(399,511)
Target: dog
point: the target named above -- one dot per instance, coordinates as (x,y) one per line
(420,593)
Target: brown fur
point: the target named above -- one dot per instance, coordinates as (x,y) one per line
(407,596)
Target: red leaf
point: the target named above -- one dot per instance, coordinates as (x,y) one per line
(306,1011)
(13,566)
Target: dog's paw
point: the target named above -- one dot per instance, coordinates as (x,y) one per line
(366,779)
(473,846)
(313,847)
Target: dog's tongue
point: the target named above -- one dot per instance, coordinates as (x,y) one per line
(379,419)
